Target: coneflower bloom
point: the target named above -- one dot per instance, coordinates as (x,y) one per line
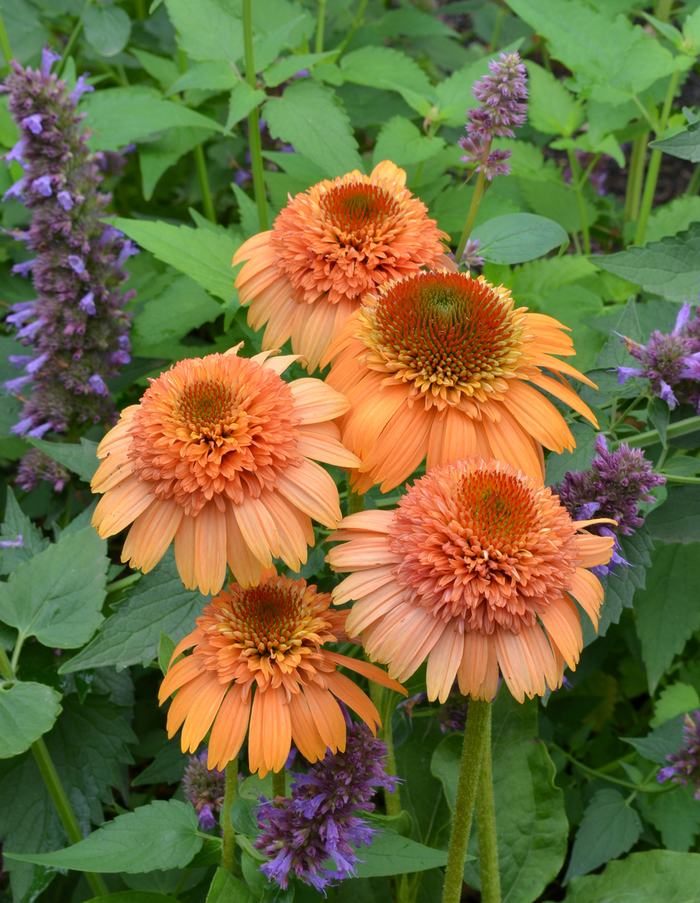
(328,247)
(216,456)
(259,667)
(475,570)
(441,365)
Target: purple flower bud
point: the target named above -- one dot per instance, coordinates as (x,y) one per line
(81,87)
(37,363)
(39,431)
(207,819)
(20,429)
(43,186)
(666,394)
(87,303)
(48,58)
(121,357)
(13,386)
(30,330)
(19,360)
(65,200)
(16,190)
(33,123)
(110,233)
(685,764)
(123,341)
(97,384)
(128,250)
(16,153)
(625,373)
(13,544)
(24,268)
(76,263)
(682,318)
(469,256)
(204,788)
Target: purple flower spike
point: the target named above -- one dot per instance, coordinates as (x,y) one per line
(43,186)
(37,363)
(20,429)
(48,58)
(470,257)
(33,123)
(65,200)
(30,330)
(685,764)
(37,466)
(77,264)
(666,394)
(204,788)
(87,303)
(128,250)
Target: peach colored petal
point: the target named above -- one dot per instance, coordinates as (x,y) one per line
(327,716)
(443,663)
(312,489)
(230,728)
(315,401)
(304,731)
(588,591)
(361,583)
(349,693)
(203,711)
(322,443)
(121,506)
(562,623)
(243,563)
(210,548)
(258,530)
(151,534)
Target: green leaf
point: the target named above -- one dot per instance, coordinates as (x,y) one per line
(159,603)
(668,268)
(676,815)
(667,610)
(677,699)
(162,835)
(678,519)
(162,69)
(391,854)
(659,414)
(243,100)
(214,75)
(621,585)
(118,116)
(551,109)
(284,69)
(168,766)
(81,459)
(609,829)
(573,305)
(181,306)
(57,596)
(685,144)
(107,28)
(17,524)
(209,29)
(310,117)
(166,647)
(156,157)
(651,877)
(518,237)
(387,68)
(202,254)
(401,142)
(660,743)
(242,818)
(133,896)
(27,710)
(579,459)
(227,889)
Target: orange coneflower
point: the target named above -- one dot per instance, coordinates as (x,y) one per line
(474,570)
(216,457)
(328,247)
(440,365)
(259,657)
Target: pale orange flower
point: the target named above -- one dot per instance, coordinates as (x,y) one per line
(440,365)
(328,247)
(217,457)
(475,570)
(259,657)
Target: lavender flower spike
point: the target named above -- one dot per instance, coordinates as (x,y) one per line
(320,821)
(685,764)
(204,788)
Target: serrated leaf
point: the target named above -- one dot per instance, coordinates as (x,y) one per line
(518,237)
(214,75)
(284,69)
(170,314)
(17,524)
(168,766)
(676,815)
(27,710)
(677,699)
(58,594)
(159,603)
(81,459)
(162,835)
(622,583)
(225,888)
(387,68)
(552,109)
(678,519)
(670,219)
(667,610)
(243,100)
(651,877)
(166,647)
(391,854)
(660,743)
(685,145)
(107,28)
(202,254)
(580,459)
(668,268)
(310,117)
(209,29)
(609,829)
(401,142)
(156,157)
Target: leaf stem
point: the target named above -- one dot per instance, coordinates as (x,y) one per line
(5,43)
(651,437)
(578,188)
(694,184)
(473,209)
(645,788)
(486,830)
(279,783)
(654,165)
(635,177)
(357,21)
(476,739)
(254,119)
(493,43)
(229,834)
(320,23)
(72,40)
(6,669)
(201,164)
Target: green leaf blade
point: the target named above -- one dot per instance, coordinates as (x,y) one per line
(27,710)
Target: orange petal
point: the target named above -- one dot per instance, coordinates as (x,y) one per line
(327,716)
(121,505)
(230,727)
(349,693)
(151,534)
(372,672)
(304,731)
(443,662)
(316,401)
(563,624)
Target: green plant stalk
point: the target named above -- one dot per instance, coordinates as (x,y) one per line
(5,44)
(279,783)
(320,25)
(55,788)
(493,43)
(663,10)
(635,179)
(201,164)
(357,21)
(254,119)
(486,830)
(596,773)
(475,747)
(578,188)
(654,165)
(651,437)
(694,184)
(72,40)
(227,829)
(473,210)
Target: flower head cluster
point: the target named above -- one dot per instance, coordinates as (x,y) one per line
(320,821)
(36,466)
(500,111)
(670,361)
(612,487)
(685,764)
(76,331)
(204,788)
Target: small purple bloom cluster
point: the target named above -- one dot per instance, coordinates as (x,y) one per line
(685,764)
(670,361)
(36,466)
(501,110)
(204,788)
(319,823)
(613,487)
(76,331)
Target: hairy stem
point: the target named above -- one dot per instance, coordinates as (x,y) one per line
(473,209)
(578,188)
(229,834)
(5,43)
(476,739)
(635,178)
(72,40)
(201,164)
(320,23)
(254,119)
(279,783)
(486,829)
(651,437)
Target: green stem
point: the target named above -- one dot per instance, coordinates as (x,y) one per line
(476,737)
(654,165)
(356,502)
(635,179)
(473,209)
(279,783)
(320,23)
(486,830)
(124,582)
(6,671)
(694,184)
(380,696)
(663,10)
(593,772)
(207,201)
(651,437)
(229,834)
(578,188)
(357,21)
(493,43)
(72,40)
(254,119)
(5,44)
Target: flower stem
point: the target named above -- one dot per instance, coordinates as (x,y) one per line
(476,738)
(473,209)
(254,119)
(229,834)
(654,165)
(320,25)
(72,41)
(635,178)
(578,188)
(201,164)
(694,184)
(357,21)
(651,437)
(279,782)
(486,829)
(5,44)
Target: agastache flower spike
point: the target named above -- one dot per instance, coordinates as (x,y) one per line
(685,764)
(204,788)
